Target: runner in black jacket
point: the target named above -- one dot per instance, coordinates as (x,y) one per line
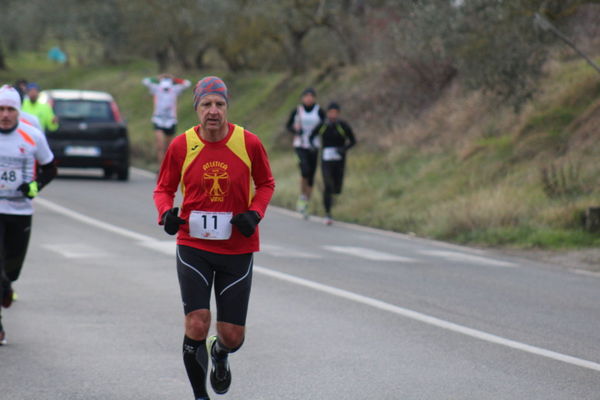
(336,137)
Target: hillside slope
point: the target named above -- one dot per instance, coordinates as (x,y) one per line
(463,169)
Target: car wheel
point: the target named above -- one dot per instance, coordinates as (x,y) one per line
(123,174)
(108,173)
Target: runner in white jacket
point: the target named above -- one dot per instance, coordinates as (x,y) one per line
(26,166)
(165,89)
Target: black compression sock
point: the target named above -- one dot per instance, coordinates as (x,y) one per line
(195,359)
(220,351)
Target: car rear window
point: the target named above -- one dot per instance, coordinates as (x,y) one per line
(85,110)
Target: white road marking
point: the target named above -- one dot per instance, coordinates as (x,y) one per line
(417,316)
(168,247)
(470,258)
(278,251)
(143,172)
(75,250)
(587,273)
(368,254)
(94,222)
(440,323)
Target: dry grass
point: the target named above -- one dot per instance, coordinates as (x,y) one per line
(500,207)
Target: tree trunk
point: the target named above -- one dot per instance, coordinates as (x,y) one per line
(2,59)
(180,55)
(232,62)
(199,58)
(347,41)
(162,59)
(295,53)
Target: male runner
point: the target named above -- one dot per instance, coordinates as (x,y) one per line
(43,111)
(336,137)
(226,181)
(26,166)
(301,123)
(165,89)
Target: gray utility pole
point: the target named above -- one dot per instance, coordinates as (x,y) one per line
(546,25)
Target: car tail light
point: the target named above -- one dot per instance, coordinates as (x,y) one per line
(115,111)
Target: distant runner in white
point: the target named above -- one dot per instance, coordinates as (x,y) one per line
(165,89)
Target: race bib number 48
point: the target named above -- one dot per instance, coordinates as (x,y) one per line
(210,225)
(10,180)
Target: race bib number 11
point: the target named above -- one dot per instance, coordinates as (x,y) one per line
(210,225)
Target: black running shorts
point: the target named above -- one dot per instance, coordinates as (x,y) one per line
(167,131)
(307,160)
(232,276)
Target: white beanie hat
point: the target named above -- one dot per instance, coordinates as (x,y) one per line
(9,97)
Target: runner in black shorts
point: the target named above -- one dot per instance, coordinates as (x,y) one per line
(307,161)
(301,123)
(224,173)
(336,137)
(232,275)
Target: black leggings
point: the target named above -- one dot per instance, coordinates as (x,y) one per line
(14,239)
(333,178)
(232,275)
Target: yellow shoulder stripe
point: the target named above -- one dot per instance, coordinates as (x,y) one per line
(194,146)
(237,144)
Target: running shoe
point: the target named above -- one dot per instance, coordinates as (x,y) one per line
(220,375)
(9,296)
(301,205)
(2,335)
(328,220)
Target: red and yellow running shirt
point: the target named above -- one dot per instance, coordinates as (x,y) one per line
(232,175)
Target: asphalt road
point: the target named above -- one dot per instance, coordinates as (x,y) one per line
(338,312)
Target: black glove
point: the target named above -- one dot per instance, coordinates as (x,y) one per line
(171,221)
(246,222)
(29,190)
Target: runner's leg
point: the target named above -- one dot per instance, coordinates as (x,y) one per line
(233,280)
(17,233)
(3,279)
(304,180)
(312,160)
(327,168)
(195,280)
(338,176)
(169,135)
(160,141)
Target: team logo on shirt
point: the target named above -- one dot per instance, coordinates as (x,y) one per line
(216,180)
